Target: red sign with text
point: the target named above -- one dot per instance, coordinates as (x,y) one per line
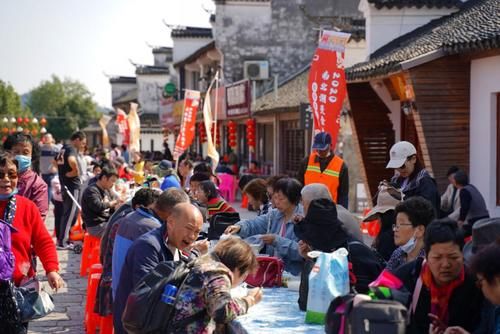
(327,86)
(186,133)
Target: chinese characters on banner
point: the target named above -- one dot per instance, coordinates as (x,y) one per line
(186,133)
(122,123)
(327,87)
(238,99)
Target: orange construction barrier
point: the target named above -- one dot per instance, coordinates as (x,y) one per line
(92,319)
(244,201)
(89,243)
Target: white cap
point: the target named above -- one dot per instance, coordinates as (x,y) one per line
(399,153)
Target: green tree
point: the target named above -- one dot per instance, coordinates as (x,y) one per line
(10,101)
(67,104)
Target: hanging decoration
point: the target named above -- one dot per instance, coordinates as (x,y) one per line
(231,129)
(202,132)
(251,134)
(217,138)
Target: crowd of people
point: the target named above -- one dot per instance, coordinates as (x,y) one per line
(147,212)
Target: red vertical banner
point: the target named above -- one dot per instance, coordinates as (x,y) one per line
(186,133)
(327,86)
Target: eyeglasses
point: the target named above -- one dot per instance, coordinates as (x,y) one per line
(10,174)
(396,227)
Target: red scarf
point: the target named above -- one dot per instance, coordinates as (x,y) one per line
(440,295)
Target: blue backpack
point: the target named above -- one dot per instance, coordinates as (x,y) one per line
(6,255)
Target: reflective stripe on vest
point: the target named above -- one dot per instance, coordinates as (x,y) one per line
(329,177)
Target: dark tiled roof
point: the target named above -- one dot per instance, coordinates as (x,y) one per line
(416,3)
(126,97)
(122,79)
(149,69)
(191,32)
(291,92)
(195,55)
(162,49)
(475,27)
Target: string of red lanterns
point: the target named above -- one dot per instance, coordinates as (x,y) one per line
(250,123)
(231,129)
(26,125)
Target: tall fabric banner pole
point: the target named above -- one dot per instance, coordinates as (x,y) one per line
(186,133)
(327,86)
(211,123)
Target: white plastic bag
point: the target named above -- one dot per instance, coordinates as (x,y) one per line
(328,280)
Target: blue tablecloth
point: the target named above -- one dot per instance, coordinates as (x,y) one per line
(277,313)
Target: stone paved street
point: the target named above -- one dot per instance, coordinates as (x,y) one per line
(70,301)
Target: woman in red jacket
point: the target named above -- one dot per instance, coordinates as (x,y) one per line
(30,230)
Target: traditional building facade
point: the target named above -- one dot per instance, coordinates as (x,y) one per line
(436,86)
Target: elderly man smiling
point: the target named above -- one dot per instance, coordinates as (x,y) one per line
(170,242)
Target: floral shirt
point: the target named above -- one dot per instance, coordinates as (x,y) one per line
(207,291)
(398,258)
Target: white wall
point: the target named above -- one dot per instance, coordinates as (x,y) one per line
(485,84)
(355,52)
(383,25)
(150,88)
(184,46)
(146,141)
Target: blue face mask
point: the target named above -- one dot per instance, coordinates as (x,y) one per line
(24,162)
(4,197)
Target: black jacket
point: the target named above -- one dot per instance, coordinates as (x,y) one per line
(464,307)
(95,210)
(323,231)
(421,185)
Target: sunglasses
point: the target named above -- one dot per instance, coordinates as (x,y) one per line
(10,174)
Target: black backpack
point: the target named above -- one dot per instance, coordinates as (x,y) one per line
(145,312)
(219,222)
(344,316)
(366,263)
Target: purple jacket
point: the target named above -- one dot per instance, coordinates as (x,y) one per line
(33,187)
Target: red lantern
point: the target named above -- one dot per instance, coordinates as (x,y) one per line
(202,132)
(26,120)
(34,132)
(19,120)
(43,121)
(251,133)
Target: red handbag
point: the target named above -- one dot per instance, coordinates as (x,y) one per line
(269,273)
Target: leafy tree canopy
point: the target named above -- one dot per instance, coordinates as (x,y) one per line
(10,102)
(66,104)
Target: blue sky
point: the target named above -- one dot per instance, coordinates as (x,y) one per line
(83,39)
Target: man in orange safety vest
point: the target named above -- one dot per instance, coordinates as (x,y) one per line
(323,166)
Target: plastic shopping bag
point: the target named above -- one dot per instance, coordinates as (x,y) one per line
(328,280)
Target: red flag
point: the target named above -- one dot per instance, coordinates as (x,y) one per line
(327,87)
(186,133)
